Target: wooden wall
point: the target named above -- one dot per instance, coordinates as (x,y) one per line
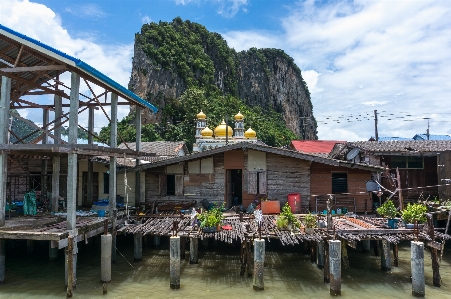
(321,184)
(444,173)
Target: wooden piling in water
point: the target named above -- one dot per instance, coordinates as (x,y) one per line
(395,255)
(137,247)
(320,255)
(312,251)
(193,250)
(156,240)
(2,259)
(326,263)
(335,267)
(53,252)
(375,247)
(366,246)
(385,256)
(436,278)
(417,267)
(182,248)
(106,242)
(70,267)
(174,253)
(259,261)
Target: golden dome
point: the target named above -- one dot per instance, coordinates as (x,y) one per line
(206,133)
(201,115)
(220,131)
(250,133)
(239,116)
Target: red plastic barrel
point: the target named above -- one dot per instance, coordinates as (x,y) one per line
(294,200)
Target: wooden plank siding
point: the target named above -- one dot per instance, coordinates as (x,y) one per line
(321,184)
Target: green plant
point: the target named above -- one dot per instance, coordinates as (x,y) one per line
(310,220)
(212,217)
(281,222)
(414,212)
(387,209)
(289,216)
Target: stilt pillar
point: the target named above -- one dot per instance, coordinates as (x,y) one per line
(335,267)
(417,266)
(326,263)
(105,262)
(156,240)
(2,259)
(71,264)
(5,97)
(320,255)
(385,256)
(259,261)
(53,252)
(138,247)
(174,262)
(30,246)
(193,250)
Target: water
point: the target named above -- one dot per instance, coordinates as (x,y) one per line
(288,274)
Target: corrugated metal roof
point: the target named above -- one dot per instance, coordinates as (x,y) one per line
(160,148)
(431,137)
(314,146)
(72,61)
(403,147)
(385,138)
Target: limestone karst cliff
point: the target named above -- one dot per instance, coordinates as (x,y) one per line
(171,57)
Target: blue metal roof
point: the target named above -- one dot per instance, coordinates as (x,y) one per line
(431,137)
(85,68)
(393,138)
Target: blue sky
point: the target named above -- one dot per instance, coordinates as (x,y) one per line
(356,56)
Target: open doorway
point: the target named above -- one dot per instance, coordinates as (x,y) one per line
(234,187)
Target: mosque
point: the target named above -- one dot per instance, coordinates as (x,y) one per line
(222,135)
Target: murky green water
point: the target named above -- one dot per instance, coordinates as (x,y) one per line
(288,274)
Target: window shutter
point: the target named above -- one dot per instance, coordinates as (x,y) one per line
(179,185)
(252,183)
(262,182)
(163,185)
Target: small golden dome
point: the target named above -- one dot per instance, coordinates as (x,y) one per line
(250,133)
(239,116)
(220,131)
(206,132)
(201,115)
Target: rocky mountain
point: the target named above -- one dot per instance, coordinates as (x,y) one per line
(170,58)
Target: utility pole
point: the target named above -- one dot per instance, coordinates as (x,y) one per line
(375,126)
(427,132)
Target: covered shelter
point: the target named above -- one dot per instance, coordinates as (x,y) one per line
(31,68)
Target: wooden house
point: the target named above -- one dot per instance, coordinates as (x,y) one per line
(241,172)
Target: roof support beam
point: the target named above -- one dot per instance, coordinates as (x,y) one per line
(39,68)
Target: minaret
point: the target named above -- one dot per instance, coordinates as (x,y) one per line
(201,124)
(239,126)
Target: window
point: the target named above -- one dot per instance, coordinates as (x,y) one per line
(339,182)
(106,183)
(257,182)
(405,162)
(171,184)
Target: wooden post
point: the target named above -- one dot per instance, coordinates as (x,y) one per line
(436,278)
(53,252)
(375,247)
(138,148)
(249,265)
(105,262)
(2,259)
(56,161)
(326,263)
(5,95)
(70,267)
(417,267)
(243,257)
(366,246)
(398,179)
(259,261)
(182,248)
(138,247)
(320,255)
(395,255)
(385,256)
(175,262)
(30,246)
(156,240)
(335,267)
(193,247)
(312,251)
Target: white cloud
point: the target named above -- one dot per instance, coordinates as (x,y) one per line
(39,22)
(229,8)
(393,55)
(146,19)
(86,11)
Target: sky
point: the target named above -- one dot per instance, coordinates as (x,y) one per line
(356,56)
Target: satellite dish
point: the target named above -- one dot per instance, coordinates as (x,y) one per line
(352,154)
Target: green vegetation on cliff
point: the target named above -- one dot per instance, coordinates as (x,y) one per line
(202,59)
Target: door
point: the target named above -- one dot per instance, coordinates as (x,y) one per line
(95,188)
(234,187)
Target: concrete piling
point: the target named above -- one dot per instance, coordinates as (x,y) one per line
(320,255)
(138,247)
(335,267)
(174,253)
(385,256)
(417,266)
(193,250)
(2,259)
(259,261)
(53,252)
(106,242)
(156,240)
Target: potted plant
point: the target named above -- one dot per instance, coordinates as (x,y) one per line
(414,213)
(388,210)
(286,219)
(211,219)
(310,223)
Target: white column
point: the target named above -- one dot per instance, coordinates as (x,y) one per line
(4,125)
(56,161)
